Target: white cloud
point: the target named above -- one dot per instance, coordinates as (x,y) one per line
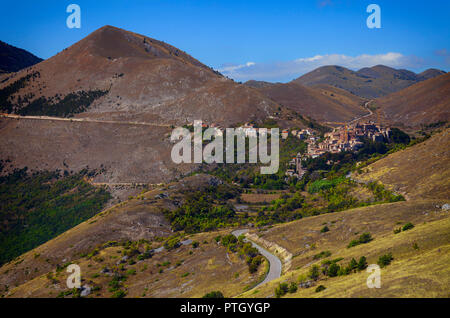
(283,71)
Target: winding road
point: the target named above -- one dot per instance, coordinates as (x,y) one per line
(274,261)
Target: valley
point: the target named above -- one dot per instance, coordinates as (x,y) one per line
(87,178)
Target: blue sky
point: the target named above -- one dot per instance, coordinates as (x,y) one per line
(264,40)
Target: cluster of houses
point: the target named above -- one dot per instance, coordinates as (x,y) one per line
(348,138)
(345,138)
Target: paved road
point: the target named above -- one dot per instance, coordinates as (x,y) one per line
(275,263)
(364,116)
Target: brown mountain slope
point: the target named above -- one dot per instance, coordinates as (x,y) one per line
(420,172)
(368,82)
(322,102)
(129,153)
(423,103)
(138,77)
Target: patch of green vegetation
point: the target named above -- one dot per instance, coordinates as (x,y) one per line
(320,288)
(385,260)
(407,226)
(324,184)
(382,194)
(35,208)
(73,103)
(6,104)
(214,294)
(204,210)
(281,290)
(172,243)
(363,239)
(324,229)
(322,254)
(245,249)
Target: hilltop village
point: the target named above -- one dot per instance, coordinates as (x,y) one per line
(344,138)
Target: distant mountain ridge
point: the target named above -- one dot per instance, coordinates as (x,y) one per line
(423,103)
(324,103)
(13,59)
(368,82)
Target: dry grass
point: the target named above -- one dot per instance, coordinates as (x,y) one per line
(421,171)
(413,273)
(209,267)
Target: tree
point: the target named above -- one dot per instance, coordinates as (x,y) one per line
(314,272)
(324,229)
(385,260)
(353,264)
(407,226)
(362,264)
(333,270)
(292,287)
(281,290)
(214,294)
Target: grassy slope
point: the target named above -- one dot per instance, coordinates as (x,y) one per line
(412,273)
(210,267)
(421,172)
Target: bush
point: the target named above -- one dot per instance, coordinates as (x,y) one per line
(172,243)
(324,229)
(320,288)
(281,290)
(293,287)
(119,294)
(322,254)
(363,239)
(214,294)
(362,264)
(407,226)
(314,272)
(385,260)
(353,264)
(333,270)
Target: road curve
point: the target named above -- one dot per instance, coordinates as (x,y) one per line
(274,262)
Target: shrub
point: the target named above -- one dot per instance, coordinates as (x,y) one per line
(322,254)
(119,294)
(385,260)
(324,229)
(131,272)
(320,288)
(362,264)
(353,264)
(293,287)
(195,244)
(314,272)
(281,290)
(172,243)
(407,226)
(363,239)
(214,294)
(333,270)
